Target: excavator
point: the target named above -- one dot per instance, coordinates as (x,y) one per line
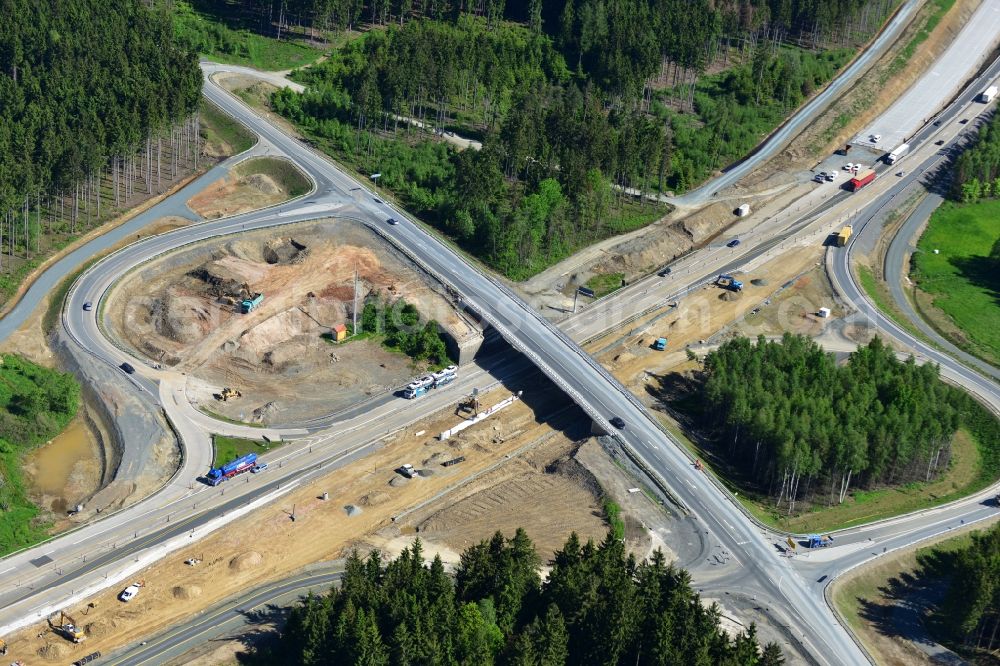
(66,627)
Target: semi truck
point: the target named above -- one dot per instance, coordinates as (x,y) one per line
(817,541)
(844,235)
(860,180)
(987,95)
(252,303)
(217,475)
(897,153)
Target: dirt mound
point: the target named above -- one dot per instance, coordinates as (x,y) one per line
(438,458)
(374,498)
(264,412)
(425,472)
(731,295)
(188,591)
(181,318)
(54,651)
(236,268)
(284,251)
(398,481)
(98,629)
(760,282)
(261,183)
(246,561)
(352,510)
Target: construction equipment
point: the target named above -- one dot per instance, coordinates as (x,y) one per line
(227,393)
(252,303)
(844,235)
(3,647)
(816,541)
(729,282)
(66,627)
(860,180)
(660,344)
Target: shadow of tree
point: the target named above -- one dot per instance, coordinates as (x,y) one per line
(981,271)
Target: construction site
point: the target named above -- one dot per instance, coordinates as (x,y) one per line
(266,315)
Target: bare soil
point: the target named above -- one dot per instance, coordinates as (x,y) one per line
(238,193)
(233,560)
(183,311)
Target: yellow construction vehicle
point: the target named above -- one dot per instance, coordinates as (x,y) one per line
(228,393)
(66,627)
(3,647)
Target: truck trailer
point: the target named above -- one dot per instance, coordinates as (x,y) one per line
(987,95)
(863,178)
(844,235)
(898,152)
(217,475)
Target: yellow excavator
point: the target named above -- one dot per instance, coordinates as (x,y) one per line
(66,627)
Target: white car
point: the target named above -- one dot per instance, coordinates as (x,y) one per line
(128,594)
(876,138)
(848,166)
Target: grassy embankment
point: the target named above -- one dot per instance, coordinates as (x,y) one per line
(225,449)
(220,130)
(963,281)
(605,284)
(285,174)
(975,464)
(36,403)
(225,33)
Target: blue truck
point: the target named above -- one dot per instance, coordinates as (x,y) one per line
(217,475)
(252,303)
(660,344)
(817,541)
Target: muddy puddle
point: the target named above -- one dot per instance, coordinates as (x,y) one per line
(61,473)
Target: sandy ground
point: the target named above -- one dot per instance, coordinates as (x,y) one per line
(890,650)
(238,193)
(181,311)
(233,559)
(65,471)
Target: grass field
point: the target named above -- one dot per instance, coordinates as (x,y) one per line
(284,173)
(217,128)
(224,36)
(964,284)
(226,448)
(605,284)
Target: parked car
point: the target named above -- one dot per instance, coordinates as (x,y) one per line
(88,306)
(128,594)
(733,243)
(848,166)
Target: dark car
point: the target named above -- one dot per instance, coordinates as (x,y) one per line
(733,243)
(939,143)
(963,121)
(665,272)
(127,367)
(392,220)
(618,422)
(88,306)
(377,200)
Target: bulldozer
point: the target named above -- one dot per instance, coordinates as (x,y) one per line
(66,627)
(228,393)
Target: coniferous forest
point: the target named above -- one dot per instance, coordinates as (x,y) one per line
(583,107)
(95,102)
(786,415)
(597,606)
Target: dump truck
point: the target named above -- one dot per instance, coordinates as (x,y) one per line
(217,475)
(817,541)
(66,627)
(660,344)
(862,179)
(252,303)
(844,235)
(729,282)
(898,152)
(987,95)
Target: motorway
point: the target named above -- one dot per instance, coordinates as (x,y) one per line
(757,563)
